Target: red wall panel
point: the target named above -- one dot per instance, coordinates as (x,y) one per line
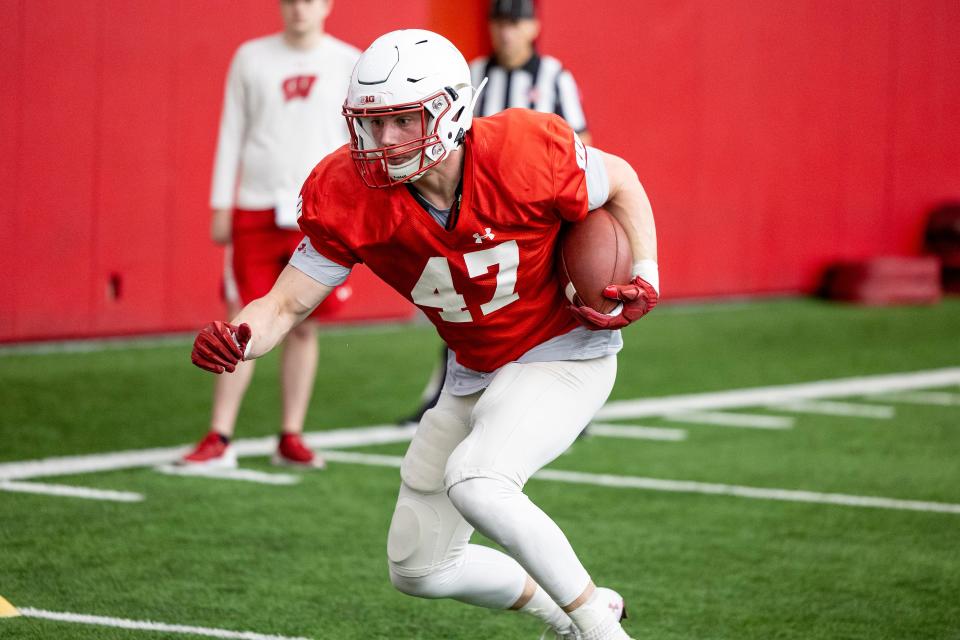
(771,137)
(131,225)
(59,143)
(11,79)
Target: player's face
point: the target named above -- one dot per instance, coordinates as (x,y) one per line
(303,16)
(396,130)
(513,38)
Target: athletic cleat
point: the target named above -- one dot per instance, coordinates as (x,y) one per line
(212,452)
(610,599)
(292,452)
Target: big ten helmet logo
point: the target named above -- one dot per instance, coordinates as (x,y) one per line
(298,87)
(368,100)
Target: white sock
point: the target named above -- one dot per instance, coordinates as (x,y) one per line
(542,607)
(594,622)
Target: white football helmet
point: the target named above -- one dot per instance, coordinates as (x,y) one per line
(413,72)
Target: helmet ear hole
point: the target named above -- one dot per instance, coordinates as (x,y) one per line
(456,116)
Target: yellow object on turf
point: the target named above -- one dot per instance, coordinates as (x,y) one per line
(7,610)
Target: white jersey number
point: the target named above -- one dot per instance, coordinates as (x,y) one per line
(435,287)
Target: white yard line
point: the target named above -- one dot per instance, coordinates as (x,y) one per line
(759,493)
(936,398)
(636,432)
(68,491)
(726,419)
(683,486)
(369,459)
(94,345)
(763,396)
(842,409)
(245,475)
(71,465)
(147,625)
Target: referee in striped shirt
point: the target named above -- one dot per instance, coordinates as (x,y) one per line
(518,76)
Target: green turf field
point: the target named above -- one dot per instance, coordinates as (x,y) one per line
(308,559)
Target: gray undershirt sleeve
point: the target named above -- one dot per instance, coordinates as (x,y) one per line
(322,269)
(598,182)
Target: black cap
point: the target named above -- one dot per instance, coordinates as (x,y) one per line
(512,9)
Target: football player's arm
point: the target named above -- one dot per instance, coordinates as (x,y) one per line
(261,325)
(293,297)
(627,201)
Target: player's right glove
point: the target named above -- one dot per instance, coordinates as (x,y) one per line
(220,346)
(638,299)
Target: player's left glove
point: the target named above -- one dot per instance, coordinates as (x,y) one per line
(638,299)
(220,346)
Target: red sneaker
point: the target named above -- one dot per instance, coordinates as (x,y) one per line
(212,452)
(292,452)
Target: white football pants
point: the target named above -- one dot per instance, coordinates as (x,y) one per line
(466,468)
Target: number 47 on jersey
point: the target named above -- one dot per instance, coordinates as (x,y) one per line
(435,287)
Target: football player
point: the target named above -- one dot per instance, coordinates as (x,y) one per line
(461,216)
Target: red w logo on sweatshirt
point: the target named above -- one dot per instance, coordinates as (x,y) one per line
(297,87)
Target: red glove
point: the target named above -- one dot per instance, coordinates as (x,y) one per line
(219,346)
(638,298)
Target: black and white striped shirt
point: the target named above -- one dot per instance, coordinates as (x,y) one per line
(542,84)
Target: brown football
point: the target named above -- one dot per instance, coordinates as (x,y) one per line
(593,253)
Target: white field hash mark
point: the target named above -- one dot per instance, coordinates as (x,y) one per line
(636,432)
(841,409)
(74,465)
(245,475)
(621,409)
(764,396)
(728,419)
(147,625)
(69,491)
(683,486)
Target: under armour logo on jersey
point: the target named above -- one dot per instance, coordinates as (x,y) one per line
(303,247)
(298,87)
(486,236)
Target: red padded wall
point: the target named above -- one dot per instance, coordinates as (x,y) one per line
(772,138)
(108,124)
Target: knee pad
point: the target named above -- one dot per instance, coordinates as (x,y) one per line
(439,433)
(482,494)
(426,534)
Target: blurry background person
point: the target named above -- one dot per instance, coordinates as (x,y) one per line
(281,115)
(517,76)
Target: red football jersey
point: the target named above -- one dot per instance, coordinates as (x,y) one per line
(488,283)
